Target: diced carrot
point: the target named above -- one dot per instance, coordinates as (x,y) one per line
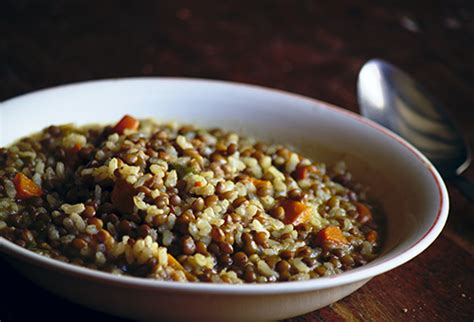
(296,212)
(331,235)
(198,184)
(259,183)
(127,122)
(302,171)
(372,236)
(76,148)
(25,187)
(365,215)
(173,262)
(122,196)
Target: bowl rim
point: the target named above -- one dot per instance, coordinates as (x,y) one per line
(364,272)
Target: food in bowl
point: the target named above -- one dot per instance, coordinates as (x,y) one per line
(183,203)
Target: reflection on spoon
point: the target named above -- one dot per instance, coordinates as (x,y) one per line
(393,99)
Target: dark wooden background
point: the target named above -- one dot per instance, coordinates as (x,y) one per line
(313,48)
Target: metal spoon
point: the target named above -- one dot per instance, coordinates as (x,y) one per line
(393,99)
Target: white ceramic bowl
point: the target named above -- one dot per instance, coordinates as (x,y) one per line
(410,189)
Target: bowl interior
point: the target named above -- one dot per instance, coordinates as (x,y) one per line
(407,186)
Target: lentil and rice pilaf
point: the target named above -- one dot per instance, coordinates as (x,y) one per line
(183,204)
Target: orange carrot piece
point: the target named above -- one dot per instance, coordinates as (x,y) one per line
(331,235)
(173,262)
(365,215)
(302,171)
(372,236)
(259,183)
(76,148)
(296,212)
(25,187)
(122,196)
(127,122)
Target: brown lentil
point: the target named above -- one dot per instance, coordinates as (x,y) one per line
(249,275)
(279,213)
(231,149)
(161,219)
(250,247)
(162,201)
(27,236)
(125,227)
(240,259)
(217,234)
(144,230)
(287,254)
(225,260)
(189,247)
(79,243)
(96,222)
(238,202)
(213,248)
(220,188)
(295,194)
(89,212)
(201,248)
(103,236)
(261,238)
(226,248)
(175,200)
(198,204)
(211,200)
(283,266)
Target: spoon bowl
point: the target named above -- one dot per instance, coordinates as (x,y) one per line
(393,99)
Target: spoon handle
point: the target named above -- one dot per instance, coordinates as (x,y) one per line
(465,186)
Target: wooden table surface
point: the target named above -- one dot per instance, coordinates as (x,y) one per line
(314,48)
